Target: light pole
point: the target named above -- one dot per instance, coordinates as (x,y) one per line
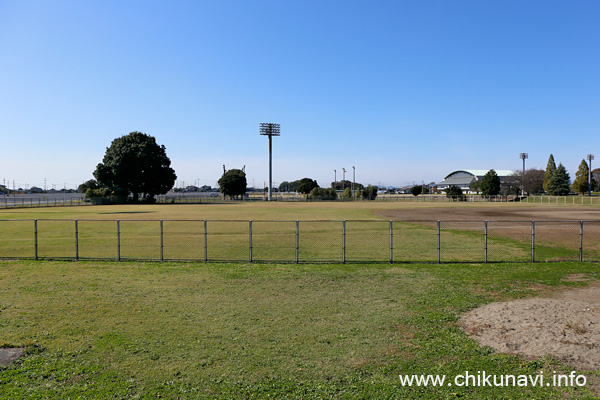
(334,179)
(344,179)
(270,130)
(353,180)
(523,156)
(590,157)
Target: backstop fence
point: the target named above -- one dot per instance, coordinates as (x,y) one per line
(301,241)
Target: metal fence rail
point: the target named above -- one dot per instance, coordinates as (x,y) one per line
(195,198)
(78,199)
(301,241)
(37,201)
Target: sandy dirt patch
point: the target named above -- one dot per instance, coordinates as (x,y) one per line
(7,356)
(566,325)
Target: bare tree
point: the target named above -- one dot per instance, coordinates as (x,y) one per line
(512,184)
(533,183)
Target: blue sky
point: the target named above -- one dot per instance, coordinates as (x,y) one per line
(405,91)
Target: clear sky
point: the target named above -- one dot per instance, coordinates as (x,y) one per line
(405,91)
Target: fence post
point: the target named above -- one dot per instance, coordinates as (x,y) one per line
(438,242)
(205,241)
(344,242)
(250,239)
(118,240)
(297,241)
(581,240)
(485,249)
(391,242)
(35,235)
(161,242)
(76,240)
(532,241)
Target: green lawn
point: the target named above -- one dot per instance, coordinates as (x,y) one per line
(274,234)
(189,331)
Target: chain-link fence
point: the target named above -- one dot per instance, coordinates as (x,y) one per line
(212,198)
(302,241)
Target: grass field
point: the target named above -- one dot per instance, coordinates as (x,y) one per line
(143,330)
(274,233)
(237,330)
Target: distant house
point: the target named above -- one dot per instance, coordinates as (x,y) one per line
(463,177)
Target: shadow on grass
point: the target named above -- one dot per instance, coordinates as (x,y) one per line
(128,212)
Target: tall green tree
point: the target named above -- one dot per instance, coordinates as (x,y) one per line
(343,184)
(369,193)
(580,185)
(559,183)
(233,183)
(475,186)
(318,193)
(286,186)
(305,185)
(550,168)
(490,184)
(135,164)
(89,184)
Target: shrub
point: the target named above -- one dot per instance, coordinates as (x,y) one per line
(323,194)
(455,193)
(416,190)
(369,193)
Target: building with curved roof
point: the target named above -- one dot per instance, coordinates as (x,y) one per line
(463,177)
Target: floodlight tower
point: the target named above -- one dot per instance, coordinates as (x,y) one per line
(590,157)
(334,179)
(523,156)
(353,180)
(270,130)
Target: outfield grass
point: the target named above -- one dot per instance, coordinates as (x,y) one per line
(195,330)
(236,211)
(274,234)
(189,331)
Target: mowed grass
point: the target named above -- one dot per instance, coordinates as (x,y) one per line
(274,234)
(193,331)
(239,330)
(360,210)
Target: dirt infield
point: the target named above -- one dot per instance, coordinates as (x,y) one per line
(501,212)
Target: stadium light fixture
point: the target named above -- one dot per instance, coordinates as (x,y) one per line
(590,157)
(270,130)
(523,156)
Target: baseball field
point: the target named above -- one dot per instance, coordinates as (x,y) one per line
(194,329)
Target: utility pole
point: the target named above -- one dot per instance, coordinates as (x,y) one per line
(344,180)
(334,179)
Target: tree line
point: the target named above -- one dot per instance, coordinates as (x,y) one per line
(312,190)
(136,168)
